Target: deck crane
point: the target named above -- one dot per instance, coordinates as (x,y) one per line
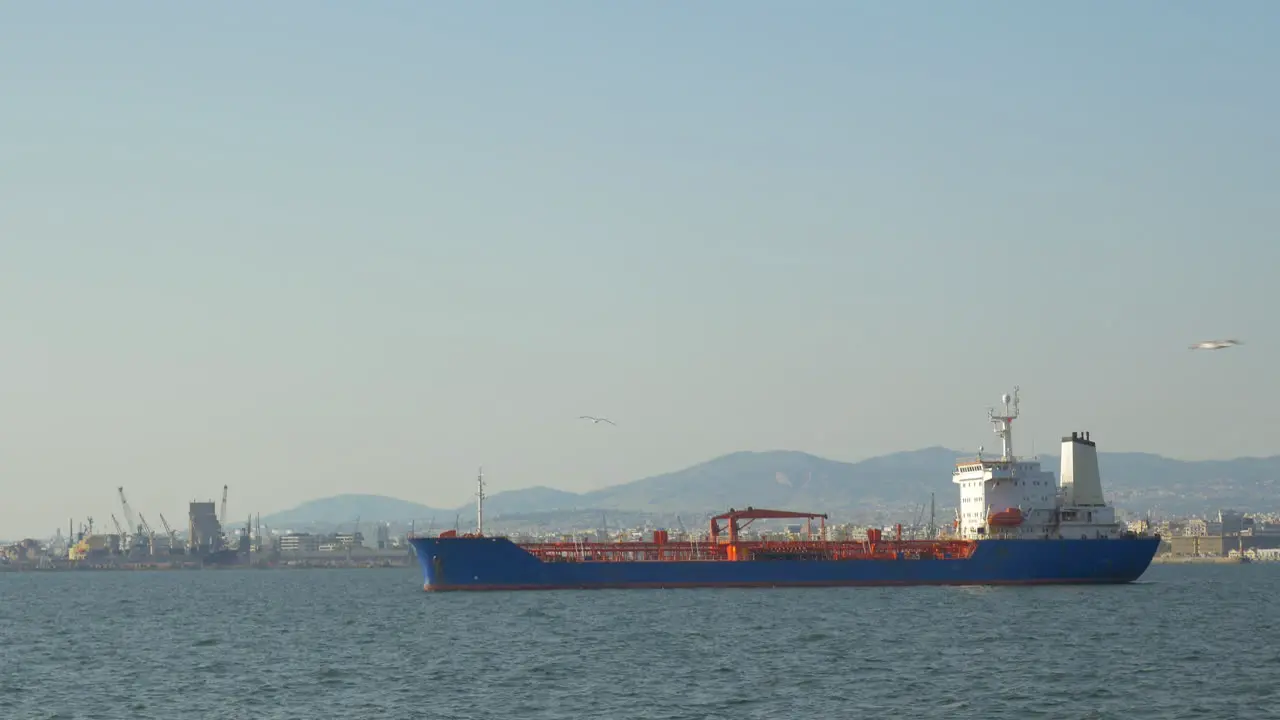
(751,513)
(116,522)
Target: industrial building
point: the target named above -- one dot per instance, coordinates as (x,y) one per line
(1228,533)
(204,531)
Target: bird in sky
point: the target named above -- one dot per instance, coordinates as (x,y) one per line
(597,420)
(1215,344)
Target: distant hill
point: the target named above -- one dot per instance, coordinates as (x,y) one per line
(341,509)
(799,481)
(787,479)
(534,499)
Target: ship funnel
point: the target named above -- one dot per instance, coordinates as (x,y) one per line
(1080,477)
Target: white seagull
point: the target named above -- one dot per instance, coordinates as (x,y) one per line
(1215,344)
(597,420)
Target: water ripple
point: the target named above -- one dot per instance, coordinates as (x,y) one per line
(1187,642)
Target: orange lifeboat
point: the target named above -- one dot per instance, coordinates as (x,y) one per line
(1009,517)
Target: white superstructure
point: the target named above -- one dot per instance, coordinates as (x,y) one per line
(1012,497)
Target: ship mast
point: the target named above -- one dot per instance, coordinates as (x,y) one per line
(480,502)
(933,519)
(1004,423)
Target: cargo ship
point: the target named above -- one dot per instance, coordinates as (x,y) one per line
(1016,525)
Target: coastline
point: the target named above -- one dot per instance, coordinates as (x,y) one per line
(1199,560)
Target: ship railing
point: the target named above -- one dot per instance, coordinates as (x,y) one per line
(690,551)
(621,551)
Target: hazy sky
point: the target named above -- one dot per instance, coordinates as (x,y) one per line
(305,248)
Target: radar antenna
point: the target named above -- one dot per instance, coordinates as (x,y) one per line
(1004,423)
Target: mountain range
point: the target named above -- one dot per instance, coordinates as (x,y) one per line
(888,484)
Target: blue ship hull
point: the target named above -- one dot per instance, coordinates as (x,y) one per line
(483,563)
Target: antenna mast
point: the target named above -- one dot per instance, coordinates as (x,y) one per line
(1004,423)
(480,502)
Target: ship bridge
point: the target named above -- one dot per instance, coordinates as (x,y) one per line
(1004,496)
(1008,496)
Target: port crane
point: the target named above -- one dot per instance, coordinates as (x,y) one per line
(128,513)
(150,535)
(146,526)
(173,536)
(137,538)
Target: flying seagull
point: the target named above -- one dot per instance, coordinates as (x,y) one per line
(597,420)
(1215,344)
